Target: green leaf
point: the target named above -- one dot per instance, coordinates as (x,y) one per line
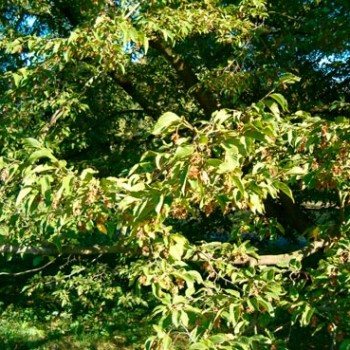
(221,116)
(66,54)
(72,39)
(159,206)
(166,121)
(183,179)
(198,346)
(214,162)
(22,194)
(183,152)
(226,167)
(194,276)
(31,203)
(256,135)
(184,318)
(280,99)
(306,315)
(284,188)
(218,338)
(101,227)
(87,174)
(41,168)
(255,203)
(175,315)
(42,153)
(265,304)
(231,162)
(67,184)
(341,120)
(37,260)
(232,155)
(203,140)
(45,183)
(145,44)
(273,106)
(302,114)
(238,182)
(56,47)
(288,78)
(17,79)
(234,312)
(297,170)
(177,246)
(345,345)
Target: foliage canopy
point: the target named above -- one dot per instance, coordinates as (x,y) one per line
(188,158)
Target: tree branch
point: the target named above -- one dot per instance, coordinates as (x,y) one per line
(278,259)
(130,89)
(96,249)
(53,251)
(288,213)
(15,274)
(205,99)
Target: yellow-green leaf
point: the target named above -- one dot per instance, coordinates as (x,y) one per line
(101,227)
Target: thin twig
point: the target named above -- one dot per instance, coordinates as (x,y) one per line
(132,10)
(14,274)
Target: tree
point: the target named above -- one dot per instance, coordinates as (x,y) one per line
(156,137)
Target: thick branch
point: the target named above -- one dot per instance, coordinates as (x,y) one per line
(130,89)
(53,251)
(285,258)
(94,250)
(205,99)
(288,213)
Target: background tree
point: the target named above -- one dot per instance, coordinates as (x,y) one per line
(150,161)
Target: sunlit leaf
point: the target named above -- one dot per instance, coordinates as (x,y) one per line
(284,188)
(183,152)
(101,227)
(166,123)
(42,153)
(22,194)
(280,99)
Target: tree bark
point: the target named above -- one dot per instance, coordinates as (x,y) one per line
(288,213)
(130,89)
(54,251)
(205,99)
(263,260)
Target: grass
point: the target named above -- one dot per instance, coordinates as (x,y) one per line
(25,328)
